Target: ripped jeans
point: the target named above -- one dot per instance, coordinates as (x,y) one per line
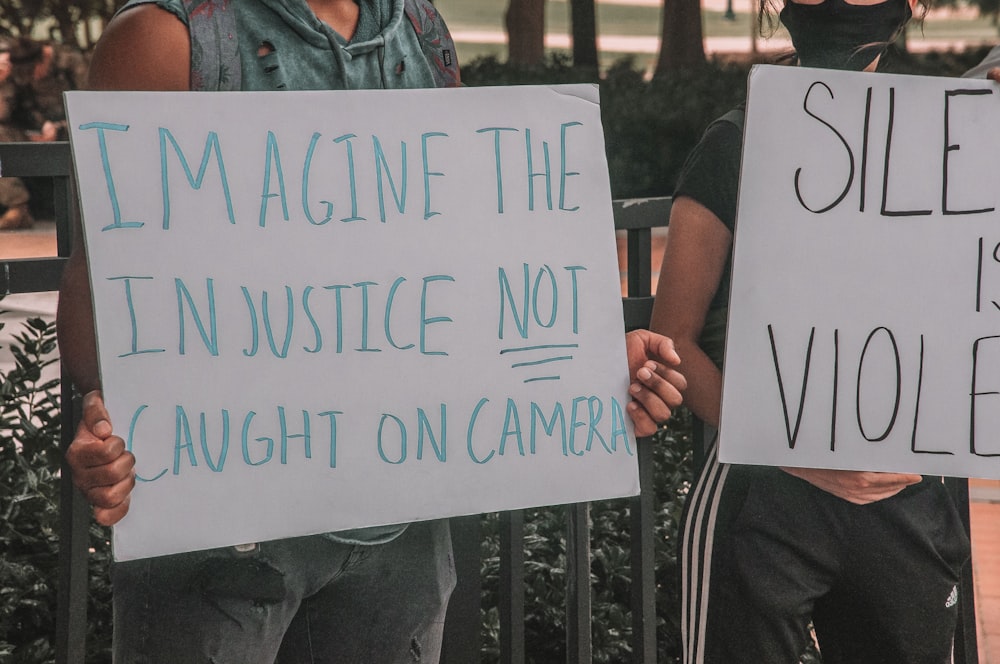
(302,600)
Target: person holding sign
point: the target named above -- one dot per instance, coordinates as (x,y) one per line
(872,560)
(371,595)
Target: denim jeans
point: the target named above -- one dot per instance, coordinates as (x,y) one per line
(301,600)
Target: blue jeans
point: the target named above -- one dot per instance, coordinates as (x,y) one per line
(301,600)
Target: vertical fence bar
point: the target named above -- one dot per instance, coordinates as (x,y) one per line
(638,221)
(643,555)
(966,640)
(64,204)
(640,264)
(462,627)
(74,545)
(579,643)
(512,649)
(74,513)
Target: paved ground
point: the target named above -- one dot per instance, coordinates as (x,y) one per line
(37,241)
(651,44)
(986,566)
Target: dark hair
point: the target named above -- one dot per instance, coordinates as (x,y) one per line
(768,10)
(768,22)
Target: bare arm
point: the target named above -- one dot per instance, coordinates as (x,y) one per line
(698,245)
(75,320)
(145,48)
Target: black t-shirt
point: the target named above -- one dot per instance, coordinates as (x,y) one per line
(711,176)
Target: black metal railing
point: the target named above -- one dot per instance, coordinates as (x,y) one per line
(39,275)
(637,218)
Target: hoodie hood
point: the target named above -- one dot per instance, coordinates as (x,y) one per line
(284,45)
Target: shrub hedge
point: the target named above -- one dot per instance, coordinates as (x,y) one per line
(29,511)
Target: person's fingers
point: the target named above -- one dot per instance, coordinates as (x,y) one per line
(659,393)
(642,421)
(87,450)
(858,487)
(95,415)
(109,496)
(110,501)
(102,468)
(108,474)
(654,397)
(111,516)
(663,378)
(663,348)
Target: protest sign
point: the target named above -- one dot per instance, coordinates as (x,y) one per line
(864,328)
(319,311)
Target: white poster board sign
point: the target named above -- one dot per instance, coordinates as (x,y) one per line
(864,327)
(319,311)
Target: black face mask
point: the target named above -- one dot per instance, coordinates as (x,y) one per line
(837,35)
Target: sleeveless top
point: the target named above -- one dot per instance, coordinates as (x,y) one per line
(282,45)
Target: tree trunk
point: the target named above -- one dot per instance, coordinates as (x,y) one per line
(525,22)
(65,23)
(681,42)
(583,19)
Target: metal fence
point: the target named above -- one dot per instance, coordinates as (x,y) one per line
(462,632)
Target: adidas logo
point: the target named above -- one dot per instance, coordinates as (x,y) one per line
(952,598)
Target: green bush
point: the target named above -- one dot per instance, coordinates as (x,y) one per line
(651,126)
(29,511)
(610,571)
